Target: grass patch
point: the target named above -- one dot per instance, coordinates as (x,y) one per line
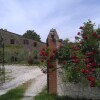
(14,94)
(45,96)
(70,98)
(17,93)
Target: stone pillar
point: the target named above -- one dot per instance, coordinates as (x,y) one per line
(52,76)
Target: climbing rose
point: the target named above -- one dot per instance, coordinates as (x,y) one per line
(75,60)
(90,78)
(88,65)
(78,33)
(85,37)
(98,37)
(92,69)
(92,84)
(42,60)
(64,62)
(94,34)
(81,27)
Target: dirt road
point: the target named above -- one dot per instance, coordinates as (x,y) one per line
(18,75)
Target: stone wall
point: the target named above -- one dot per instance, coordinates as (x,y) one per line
(78,90)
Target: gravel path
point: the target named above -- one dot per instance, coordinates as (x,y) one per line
(36,87)
(21,74)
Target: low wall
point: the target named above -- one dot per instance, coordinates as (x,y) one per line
(76,90)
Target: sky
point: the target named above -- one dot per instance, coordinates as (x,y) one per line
(66,16)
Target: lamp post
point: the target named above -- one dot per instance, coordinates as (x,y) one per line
(2,68)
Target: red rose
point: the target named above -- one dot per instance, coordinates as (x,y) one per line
(92,69)
(46,54)
(94,64)
(64,63)
(45,58)
(92,79)
(98,37)
(81,27)
(87,71)
(75,60)
(51,56)
(86,60)
(85,37)
(50,66)
(73,56)
(81,42)
(89,65)
(42,60)
(91,59)
(78,33)
(94,34)
(83,71)
(54,51)
(92,84)
(88,78)
(40,54)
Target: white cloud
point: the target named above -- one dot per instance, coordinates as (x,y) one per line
(41,15)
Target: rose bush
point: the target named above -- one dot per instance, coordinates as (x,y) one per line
(89,39)
(79,60)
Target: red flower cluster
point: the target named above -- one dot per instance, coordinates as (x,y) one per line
(47,56)
(64,63)
(87,47)
(74,47)
(83,53)
(90,65)
(78,33)
(43,53)
(81,27)
(94,34)
(49,64)
(85,37)
(92,81)
(74,58)
(90,53)
(98,37)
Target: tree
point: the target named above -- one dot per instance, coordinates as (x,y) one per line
(31,34)
(66,41)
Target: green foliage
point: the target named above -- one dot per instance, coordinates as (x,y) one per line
(71,75)
(70,98)
(33,58)
(80,59)
(45,96)
(31,34)
(97,82)
(15,51)
(63,53)
(14,94)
